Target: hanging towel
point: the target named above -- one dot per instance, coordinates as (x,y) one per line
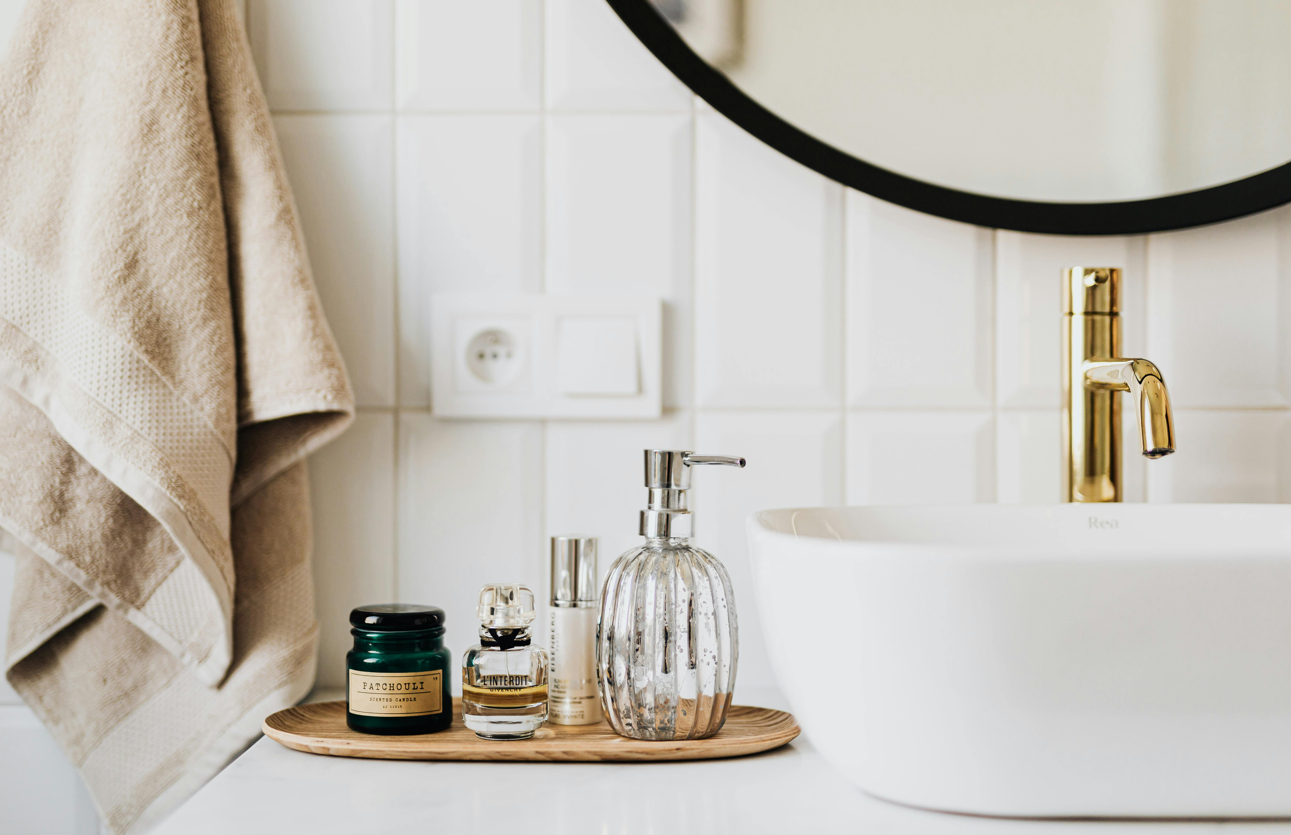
(166,368)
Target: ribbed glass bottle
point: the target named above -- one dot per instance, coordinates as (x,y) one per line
(667,642)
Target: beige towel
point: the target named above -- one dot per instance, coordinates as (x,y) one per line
(166,368)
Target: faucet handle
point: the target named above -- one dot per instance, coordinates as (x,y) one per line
(1091,290)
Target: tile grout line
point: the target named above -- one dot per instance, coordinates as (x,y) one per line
(694,271)
(1147,345)
(523,111)
(543,225)
(994,386)
(844,266)
(868,409)
(397,332)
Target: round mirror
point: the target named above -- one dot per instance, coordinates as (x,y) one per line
(1063,116)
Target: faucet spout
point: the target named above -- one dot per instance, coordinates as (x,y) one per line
(1147,392)
(1094,374)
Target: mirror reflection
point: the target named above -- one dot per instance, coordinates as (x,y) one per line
(1061,100)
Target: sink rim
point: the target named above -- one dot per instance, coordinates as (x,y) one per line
(1149,531)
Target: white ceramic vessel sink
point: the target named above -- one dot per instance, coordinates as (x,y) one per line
(1072,660)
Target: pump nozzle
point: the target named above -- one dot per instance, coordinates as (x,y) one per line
(721,460)
(667,474)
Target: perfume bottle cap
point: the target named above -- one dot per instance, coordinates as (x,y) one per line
(506,606)
(573,571)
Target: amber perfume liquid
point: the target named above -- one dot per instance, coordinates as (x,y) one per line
(504,686)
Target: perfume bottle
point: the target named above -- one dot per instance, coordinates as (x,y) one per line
(504,677)
(571,635)
(667,640)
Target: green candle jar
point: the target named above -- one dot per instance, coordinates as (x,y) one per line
(398,671)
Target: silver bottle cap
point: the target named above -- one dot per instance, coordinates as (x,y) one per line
(573,572)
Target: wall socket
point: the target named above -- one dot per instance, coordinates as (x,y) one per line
(492,353)
(539,356)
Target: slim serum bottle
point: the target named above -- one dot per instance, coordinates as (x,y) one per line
(504,677)
(574,696)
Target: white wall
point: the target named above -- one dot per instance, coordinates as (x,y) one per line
(852,350)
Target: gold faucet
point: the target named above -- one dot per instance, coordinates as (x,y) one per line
(1092,373)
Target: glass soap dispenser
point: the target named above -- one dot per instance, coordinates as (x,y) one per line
(667,638)
(504,677)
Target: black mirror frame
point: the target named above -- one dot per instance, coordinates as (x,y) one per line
(1256,193)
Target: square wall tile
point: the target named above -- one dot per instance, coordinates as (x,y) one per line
(594,62)
(353,497)
(7,570)
(1134,467)
(920,458)
(1218,299)
(469,209)
(919,308)
(42,790)
(342,173)
(1225,456)
(9,14)
(619,220)
(468,56)
(794,460)
(768,298)
(1028,319)
(1029,456)
(470,513)
(324,54)
(595,474)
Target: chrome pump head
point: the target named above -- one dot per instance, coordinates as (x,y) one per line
(667,474)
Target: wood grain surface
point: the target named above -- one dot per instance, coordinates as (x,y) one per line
(320,729)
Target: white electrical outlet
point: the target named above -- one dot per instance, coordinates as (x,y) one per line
(492,354)
(537,356)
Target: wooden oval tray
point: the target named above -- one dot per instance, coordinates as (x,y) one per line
(320,729)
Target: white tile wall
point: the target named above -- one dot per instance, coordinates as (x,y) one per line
(1029,308)
(342,172)
(594,63)
(468,56)
(1216,313)
(470,511)
(852,350)
(919,306)
(324,54)
(768,283)
(42,792)
(619,195)
(920,457)
(1027,460)
(469,217)
(586,489)
(795,460)
(353,486)
(7,694)
(1233,456)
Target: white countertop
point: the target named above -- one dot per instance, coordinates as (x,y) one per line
(274,790)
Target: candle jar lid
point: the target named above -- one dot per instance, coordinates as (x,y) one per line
(397,617)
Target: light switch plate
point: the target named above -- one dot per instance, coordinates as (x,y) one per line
(539,356)
(598,356)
